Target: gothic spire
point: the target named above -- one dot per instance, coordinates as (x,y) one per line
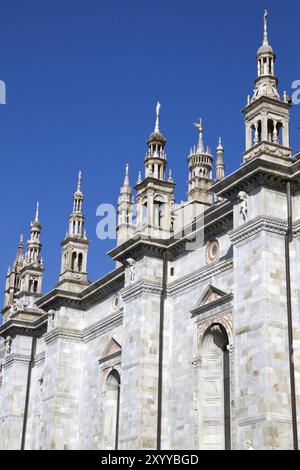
(126,191)
(34,245)
(76,219)
(75,246)
(126,179)
(125,209)
(20,253)
(37,212)
(200,146)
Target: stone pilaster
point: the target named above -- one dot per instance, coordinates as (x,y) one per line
(62,372)
(262,386)
(138,408)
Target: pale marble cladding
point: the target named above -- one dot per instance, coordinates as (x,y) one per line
(14,379)
(261,346)
(90,432)
(184,348)
(138,423)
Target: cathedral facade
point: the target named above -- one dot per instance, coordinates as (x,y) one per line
(193,340)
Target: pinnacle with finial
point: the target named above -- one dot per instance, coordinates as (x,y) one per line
(220,146)
(170,179)
(199,126)
(266,42)
(79,181)
(126,179)
(37,212)
(158,106)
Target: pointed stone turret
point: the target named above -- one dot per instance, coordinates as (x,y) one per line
(220,167)
(34,245)
(12,285)
(73,274)
(32,272)
(125,227)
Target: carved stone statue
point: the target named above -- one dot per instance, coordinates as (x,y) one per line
(130,271)
(158,108)
(243,198)
(8,343)
(51,319)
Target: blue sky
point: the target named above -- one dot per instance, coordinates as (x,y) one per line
(83,77)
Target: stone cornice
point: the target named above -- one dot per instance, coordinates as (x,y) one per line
(265,100)
(11,359)
(260,172)
(138,288)
(102,326)
(226,299)
(75,240)
(218,218)
(151,182)
(94,293)
(110,360)
(261,149)
(296,229)
(66,334)
(16,326)
(39,358)
(87,334)
(257,225)
(261,324)
(188,282)
(137,247)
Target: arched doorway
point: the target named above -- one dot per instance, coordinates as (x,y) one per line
(111,411)
(215,425)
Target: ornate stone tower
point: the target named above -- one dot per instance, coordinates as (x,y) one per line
(12,286)
(220,167)
(155,195)
(73,274)
(266,115)
(125,229)
(31,275)
(265,246)
(200,171)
